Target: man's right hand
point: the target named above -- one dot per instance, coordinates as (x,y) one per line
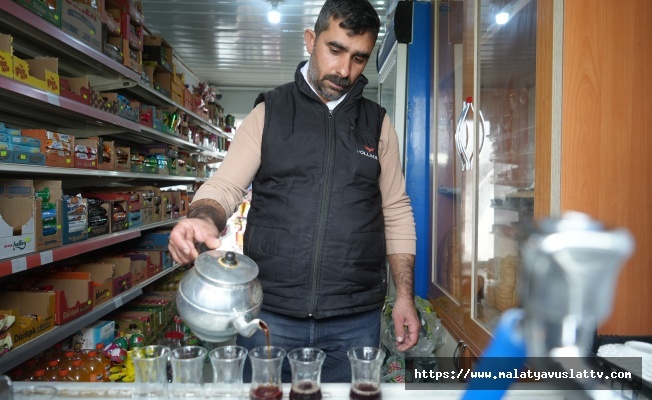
(187,233)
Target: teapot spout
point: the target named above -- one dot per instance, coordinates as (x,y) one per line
(247,329)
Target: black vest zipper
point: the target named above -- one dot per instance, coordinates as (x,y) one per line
(324,204)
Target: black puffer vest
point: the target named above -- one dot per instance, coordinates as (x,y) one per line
(315,227)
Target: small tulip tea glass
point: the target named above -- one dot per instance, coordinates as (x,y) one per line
(365,373)
(187,371)
(228,363)
(150,364)
(306,366)
(266,363)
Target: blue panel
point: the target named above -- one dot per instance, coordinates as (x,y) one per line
(417,146)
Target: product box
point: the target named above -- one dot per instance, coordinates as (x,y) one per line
(132,59)
(122,276)
(82,22)
(40,72)
(119,217)
(34,313)
(142,319)
(123,158)
(6,56)
(127,195)
(87,152)
(102,276)
(138,267)
(94,231)
(47,239)
(157,49)
(154,240)
(167,304)
(17,234)
(50,11)
(77,89)
(76,236)
(58,148)
(135,219)
(98,332)
(73,294)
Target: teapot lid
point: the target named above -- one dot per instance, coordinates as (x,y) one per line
(226,267)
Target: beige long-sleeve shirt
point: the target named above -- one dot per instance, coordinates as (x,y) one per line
(228,185)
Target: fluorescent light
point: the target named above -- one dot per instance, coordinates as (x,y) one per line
(502,18)
(274,15)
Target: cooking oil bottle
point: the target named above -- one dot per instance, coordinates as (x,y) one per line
(94,367)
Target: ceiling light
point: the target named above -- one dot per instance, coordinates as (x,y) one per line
(502,18)
(274,15)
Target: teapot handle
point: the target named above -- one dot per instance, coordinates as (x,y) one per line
(202,248)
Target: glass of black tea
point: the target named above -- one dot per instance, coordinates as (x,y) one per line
(365,373)
(306,363)
(266,363)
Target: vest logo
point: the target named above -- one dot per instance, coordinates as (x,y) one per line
(368,152)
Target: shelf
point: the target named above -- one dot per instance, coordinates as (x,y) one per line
(34,260)
(35,36)
(35,346)
(69,116)
(25,169)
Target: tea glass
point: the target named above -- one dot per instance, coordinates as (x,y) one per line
(228,364)
(266,363)
(306,364)
(150,364)
(187,371)
(365,372)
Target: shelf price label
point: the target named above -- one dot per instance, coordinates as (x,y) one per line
(46,257)
(18,265)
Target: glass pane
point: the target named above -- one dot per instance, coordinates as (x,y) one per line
(388,92)
(507,59)
(453,197)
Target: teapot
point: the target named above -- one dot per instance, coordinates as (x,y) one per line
(221,296)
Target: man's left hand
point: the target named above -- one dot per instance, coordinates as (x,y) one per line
(406,323)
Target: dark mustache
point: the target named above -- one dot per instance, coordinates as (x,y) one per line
(343,82)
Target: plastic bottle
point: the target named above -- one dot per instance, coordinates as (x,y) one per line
(39,375)
(66,363)
(79,353)
(94,367)
(52,371)
(104,360)
(64,376)
(133,328)
(78,372)
(29,368)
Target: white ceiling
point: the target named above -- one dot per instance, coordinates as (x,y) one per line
(230,43)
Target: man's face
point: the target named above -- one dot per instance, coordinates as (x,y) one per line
(336,59)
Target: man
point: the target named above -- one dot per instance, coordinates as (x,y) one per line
(328,205)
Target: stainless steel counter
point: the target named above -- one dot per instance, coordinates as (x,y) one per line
(330,391)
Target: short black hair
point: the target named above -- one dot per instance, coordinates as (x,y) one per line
(358,16)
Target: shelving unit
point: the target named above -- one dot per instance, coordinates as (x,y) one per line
(59,332)
(23,105)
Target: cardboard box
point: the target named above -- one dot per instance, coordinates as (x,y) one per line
(73,294)
(94,231)
(131,198)
(132,59)
(122,275)
(53,158)
(17,234)
(41,72)
(40,304)
(122,164)
(101,274)
(52,240)
(6,56)
(98,332)
(50,11)
(124,318)
(82,22)
(93,145)
(157,49)
(78,89)
(153,240)
(138,267)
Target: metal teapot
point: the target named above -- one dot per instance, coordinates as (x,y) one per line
(221,296)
